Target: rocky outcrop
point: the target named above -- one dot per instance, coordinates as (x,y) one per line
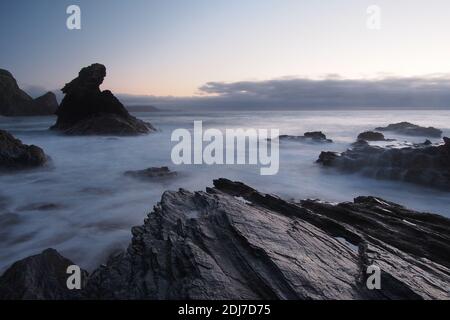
(39,277)
(411,129)
(424,164)
(152,173)
(233,242)
(316,136)
(372,136)
(16,155)
(15,102)
(46,104)
(85,110)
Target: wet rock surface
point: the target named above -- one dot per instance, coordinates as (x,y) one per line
(16,155)
(152,173)
(424,164)
(410,129)
(86,110)
(315,136)
(233,242)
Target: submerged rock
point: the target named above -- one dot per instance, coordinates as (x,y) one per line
(411,129)
(316,136)
(16,155)
(39,277)
(327,157)
(152,173)
(372,136)
(15,102)
(233,242)
(85,110)
(424,164)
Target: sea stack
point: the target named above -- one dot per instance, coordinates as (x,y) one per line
(86,110)
(15,102)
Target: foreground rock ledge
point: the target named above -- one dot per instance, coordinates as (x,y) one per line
(233,242)
(85,110)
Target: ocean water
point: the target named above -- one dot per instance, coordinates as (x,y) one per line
(89,205)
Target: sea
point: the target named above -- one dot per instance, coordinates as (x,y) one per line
(84,206)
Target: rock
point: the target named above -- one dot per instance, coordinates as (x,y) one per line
(409,129)
(316,136)
(16,155)
(371,136)
(327,157)
(422,164)
(15,102)
(214,245)
(152,173)
(85,110)
(233,242)
(39,277)
(46,104)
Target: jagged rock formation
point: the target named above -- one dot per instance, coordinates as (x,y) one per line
(15,102)
(372,136)
(152,173)
(39,277)
(233,242)
(315,136)
(424,164)
(85,110)
(16,155)
(411,129)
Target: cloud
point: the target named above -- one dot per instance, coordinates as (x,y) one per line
(333,92)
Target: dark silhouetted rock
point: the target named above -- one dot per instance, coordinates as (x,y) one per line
(85,110)
(316,136)
(233,242)
(327,157)
(39,277)
(410,129)
(46,104)
(16,155)
(15,102)
(152,173)
(371,136)
(423,164)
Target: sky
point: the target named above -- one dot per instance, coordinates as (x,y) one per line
(178,48)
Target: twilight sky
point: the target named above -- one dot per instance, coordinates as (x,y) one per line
(176,47)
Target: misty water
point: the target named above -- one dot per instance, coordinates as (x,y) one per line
(83,205)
